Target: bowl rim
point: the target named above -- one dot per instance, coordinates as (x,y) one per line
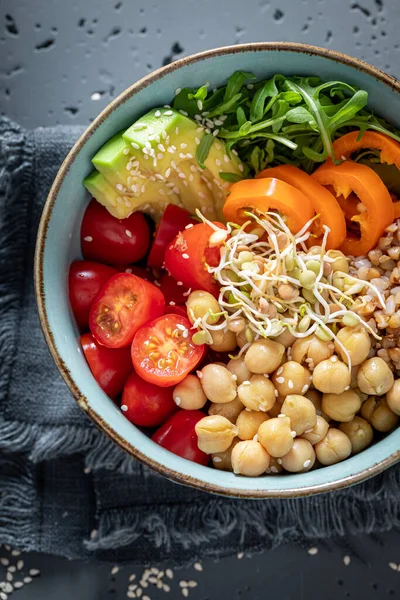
(142,83)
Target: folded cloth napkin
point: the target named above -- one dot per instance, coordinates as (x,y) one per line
(67,489)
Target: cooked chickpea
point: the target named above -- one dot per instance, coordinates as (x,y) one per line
(374,377)
(333,448)
(300,458)
(276,436)
(264,356)
(377,412)
(393,397)
(230,410)
(223,460)
(244,337)
(357,342)
(257,394)
(224,340)
(301,412)
(291,378)
(189,394)
(200,303)
(341,407)
(248,423)
(249,458)
(311,350)
(359,432)
(215,434)
(285,338)
(237,367)
(331,376)
(318,432)
(217,383)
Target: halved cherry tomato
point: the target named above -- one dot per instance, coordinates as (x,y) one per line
(110,368)
(111,240)
(124,304)
(178,436)
(146,404)
(85,281)
(163,352)
(172,222)
(172,291)
(188,256)
(179,310)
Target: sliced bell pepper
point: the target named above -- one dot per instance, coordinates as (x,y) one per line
(351,177)
(344,146)
(324,203)
(267,194)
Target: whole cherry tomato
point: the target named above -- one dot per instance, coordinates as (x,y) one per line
(178,436)
(113,241)
(110,368)
(163,352)
(173,290)
(146,404)
(124,304)
(86,278)
(179,309)
(172,222)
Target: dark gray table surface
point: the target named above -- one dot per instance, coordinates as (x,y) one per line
(62,62)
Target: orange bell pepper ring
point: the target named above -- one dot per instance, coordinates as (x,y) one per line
(323,202)
(344,146)
(378,212)
(263,195)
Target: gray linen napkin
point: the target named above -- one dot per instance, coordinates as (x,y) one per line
(64,487)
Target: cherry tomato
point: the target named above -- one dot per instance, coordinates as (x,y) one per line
(178,436)
(124,304)
(188,255)
(85,281)
(172,291)
(179,309)
(163,352)
(146,404)
(110,368)
(110,240)
(173,221)
(138,271)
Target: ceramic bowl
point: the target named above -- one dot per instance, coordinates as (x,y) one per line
(58,245)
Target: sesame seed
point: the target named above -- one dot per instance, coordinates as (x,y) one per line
(182,175)
(160,156)
(88,238)
(346,388)
(312,551)
(172,303)
(12,569)
(4,561)
(226,158)
(334,358)
(191,177)
(192,583)
(3,596)
(215,132)
(159,176)
(93,534)
(293,434)
(95,96)
(166,588)
(20,565)
(306,464)
(18,585)
(346,560)
(304,388)
(217,459)
(178,91)
(197,140)
(281,416)
(143,189)
(182,155)
(279,371)
(132,577)
(184,255)
(240,167)
(157,113)
(125,151)
(7,587)
(201,195)
(240,555)
(247,382)
(185,592)
(290,384)
(276,393)
(135,145)
(168,113)
(128,233)
(27,580)
(393,566)
(197,118)
(168,172)
(280,380)
(175,189)
(9,576)
(198,566)
(218,162)
(115,570)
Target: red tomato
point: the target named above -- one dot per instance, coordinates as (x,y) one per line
(172,291)
(146,404)
(160,352)
(110,368)
(187,257)
(173,221)
(110,240)
(85,281)
(176,310)
(138,271)
(178,436)
(124,304)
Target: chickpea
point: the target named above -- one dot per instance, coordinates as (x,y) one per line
(275,467)
(248,423)
(276,436)
(300,458)
(237,367)
(333,448)
(301,412)
(249,458)
(377,412)
(218,384)
(393,397)
(199,303)
(285,338)
(241,338)
(223,460)
(340,262)
(311,350)
(291,378)
(341,407)
(331,376)
(230,410)
(188,394)
(214,434)
(359,432)
(357,342)
(374,377)
(264,356)
(318,432)
(257,394)
(224,340)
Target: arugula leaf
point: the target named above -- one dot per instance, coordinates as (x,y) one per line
(235,82)
(268,90)
(241,116)
(201,93)
(226,107)
(203,149)
(231,177)
(182,101)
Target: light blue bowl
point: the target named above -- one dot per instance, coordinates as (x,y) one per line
(58,245)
